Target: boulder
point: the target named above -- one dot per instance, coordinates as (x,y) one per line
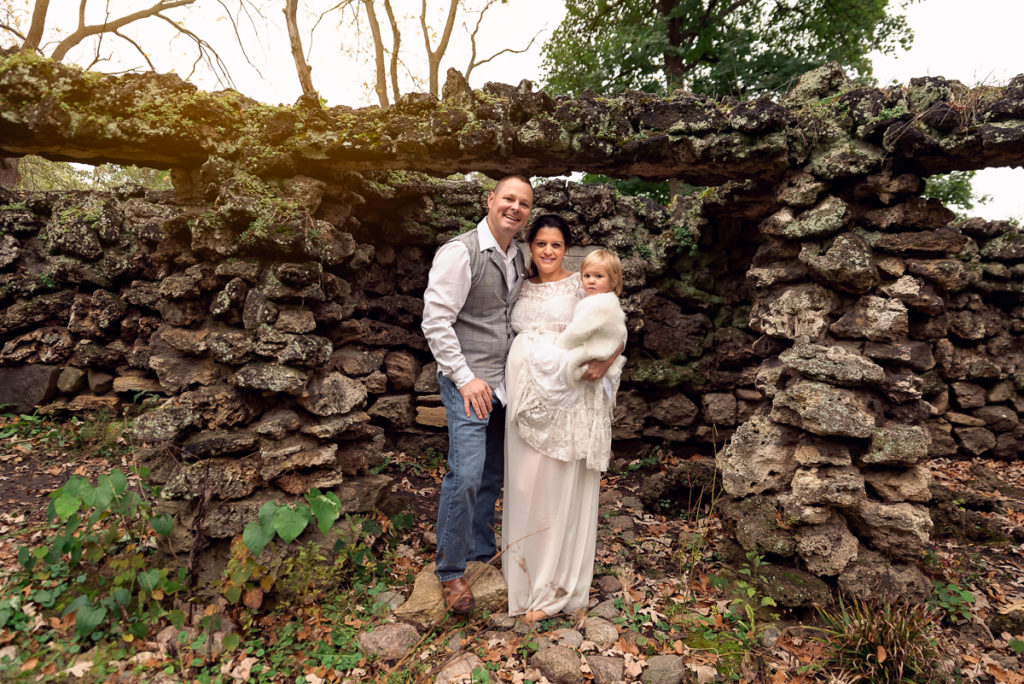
(426,607)
(759,457)
(875,318)
(894,444)
(25,387)
(872,576)
(832,364)
(847,265)
(827,548)
(800,312)
(825,410)
(899,530)
(332,394)
(841,486)
(900,484)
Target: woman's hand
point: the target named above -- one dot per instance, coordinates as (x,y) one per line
(597,368)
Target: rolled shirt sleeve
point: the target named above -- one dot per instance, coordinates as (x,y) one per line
(447,289)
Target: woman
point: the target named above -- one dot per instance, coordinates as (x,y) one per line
(550,508)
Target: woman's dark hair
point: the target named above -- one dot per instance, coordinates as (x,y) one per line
(547,221)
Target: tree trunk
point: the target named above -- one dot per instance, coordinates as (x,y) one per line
(378,53)
(9,176)
(303,69)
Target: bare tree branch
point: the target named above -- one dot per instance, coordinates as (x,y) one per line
(378,53)
(205,51)
(473,63)
(83,31)
(137,47)
(295,42)
(434,56)
(396,40)
(12,29)
(35,29)
(243,6)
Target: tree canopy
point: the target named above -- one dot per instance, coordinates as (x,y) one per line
(715,47)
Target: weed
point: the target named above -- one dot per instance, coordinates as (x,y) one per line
(96,568)
(879,641)
(952,600)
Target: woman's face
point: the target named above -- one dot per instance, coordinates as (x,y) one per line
(547,251)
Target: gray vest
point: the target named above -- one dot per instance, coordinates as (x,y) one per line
(484,325)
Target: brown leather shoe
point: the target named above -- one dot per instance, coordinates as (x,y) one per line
(457,595)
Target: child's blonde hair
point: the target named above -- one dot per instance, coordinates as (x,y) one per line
(610,262)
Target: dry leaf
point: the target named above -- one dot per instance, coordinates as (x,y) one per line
(881,655)
(253,598)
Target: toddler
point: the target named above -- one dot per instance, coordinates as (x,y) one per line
(553,393)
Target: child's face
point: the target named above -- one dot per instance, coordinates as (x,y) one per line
(596,280)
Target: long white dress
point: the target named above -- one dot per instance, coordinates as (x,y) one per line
(549,521)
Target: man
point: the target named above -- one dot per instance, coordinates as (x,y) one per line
(467,307)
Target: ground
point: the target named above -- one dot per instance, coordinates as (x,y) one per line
(672,596)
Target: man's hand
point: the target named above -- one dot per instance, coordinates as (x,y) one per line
(476,394)
(597,368)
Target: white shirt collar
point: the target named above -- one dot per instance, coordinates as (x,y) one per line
(486,239)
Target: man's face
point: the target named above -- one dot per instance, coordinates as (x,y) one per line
(508,208)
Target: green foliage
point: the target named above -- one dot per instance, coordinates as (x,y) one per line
(955,191)
(42,174)
(715,48)
(748,602)
(880,641)
(97,563)
(952,600)
(288,522)
(634,187)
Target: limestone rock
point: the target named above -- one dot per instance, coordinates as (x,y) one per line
(800,312)
(426,608)
(268,377)
(947,273)
(233,347)
(459,669)
(177,371)
(899,530)
(896,485)
(897,445)
(836,486)
(832,364)
(719,408)
(332,394)
(431,416)
(333,427)
(395,410)
(390,641)
(426,380)
(824,410)
(601,632)
(916,294)
(356,363)
(664,669)
(220,406)
(998,418)
(875,318)
(759,457)
(402,369)
(164,424)
(847,265)
(294,454)
(975,440)
(223,478)
(754,522)
(70,380)
(133,384)
(871,575)
(824,220)
(210,443)
(558,664)
(828,548)
(26,387)
(791,587)
(361,494)
(606,669)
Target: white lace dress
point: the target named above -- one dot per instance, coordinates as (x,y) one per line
(549,521)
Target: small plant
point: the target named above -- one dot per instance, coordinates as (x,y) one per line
(97,565)
(748,602)
(952,600)
(880,641)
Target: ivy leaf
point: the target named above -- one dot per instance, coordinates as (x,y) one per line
(290,522)
(162,524)
(66,505)
(118,481)
(88,618)
(256,538)
(326,508)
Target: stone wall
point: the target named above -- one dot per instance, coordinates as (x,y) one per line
(809,304)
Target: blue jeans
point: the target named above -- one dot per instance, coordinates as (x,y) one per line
(476,470)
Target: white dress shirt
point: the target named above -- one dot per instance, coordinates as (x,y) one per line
(447,289)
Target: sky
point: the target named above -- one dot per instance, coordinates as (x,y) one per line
(976,43)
